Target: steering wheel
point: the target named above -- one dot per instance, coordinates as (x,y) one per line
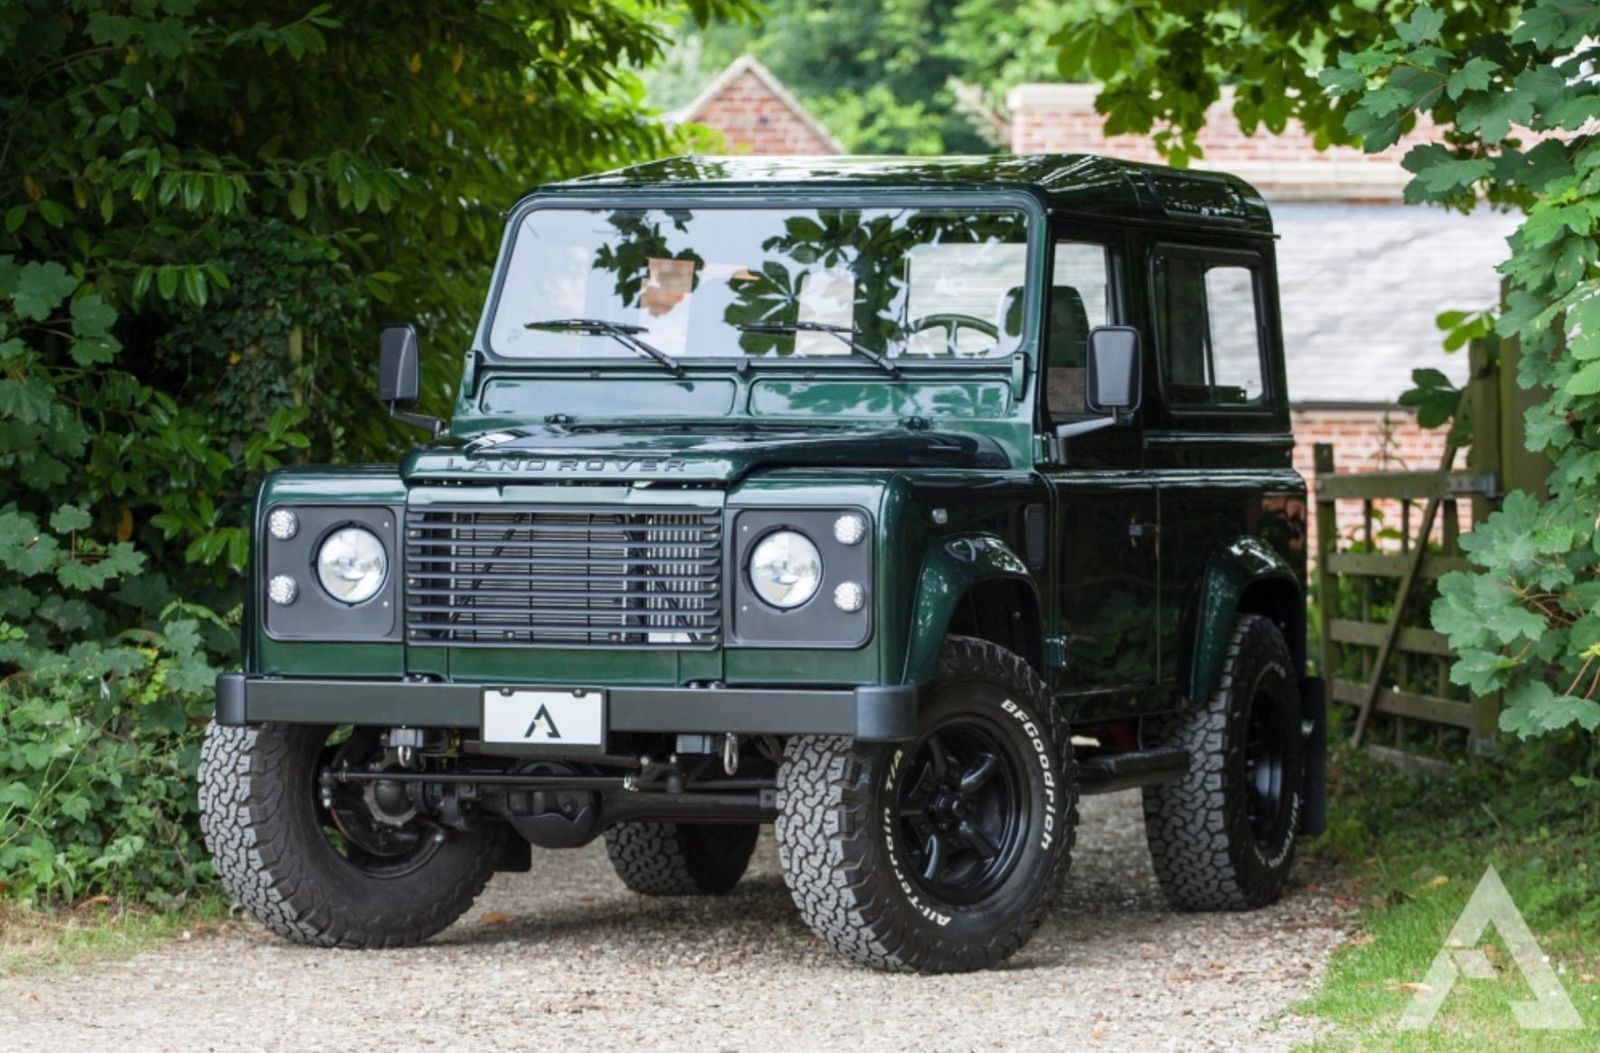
(952,322)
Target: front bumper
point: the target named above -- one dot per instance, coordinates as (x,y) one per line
(872,713)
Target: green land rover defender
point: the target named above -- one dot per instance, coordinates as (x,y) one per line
(894,502)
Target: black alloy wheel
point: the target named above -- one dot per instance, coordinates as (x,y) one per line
(942,854)
(1266,754)
(962,811)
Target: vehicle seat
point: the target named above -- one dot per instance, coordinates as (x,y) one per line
(1008,318)
(1066,351)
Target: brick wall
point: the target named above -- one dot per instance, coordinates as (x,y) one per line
(757,116)
(1364,440)
(1060,118)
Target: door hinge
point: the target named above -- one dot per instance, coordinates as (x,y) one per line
(1055,652)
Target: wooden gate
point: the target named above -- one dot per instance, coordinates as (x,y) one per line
(1378,566)
(1375,584)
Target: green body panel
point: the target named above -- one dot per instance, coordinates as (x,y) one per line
(951,460)
(949,571)
(340,659)
(1231,571)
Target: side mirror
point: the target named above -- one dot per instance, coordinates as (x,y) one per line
(398,368)
(399,376)
(1113,381)
(1112,384)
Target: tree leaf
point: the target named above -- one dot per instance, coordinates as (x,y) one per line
(40,289)
(1472,75)
(68,518)
(1492,115)
(1423,25)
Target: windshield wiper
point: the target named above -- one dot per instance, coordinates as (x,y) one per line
(621,332)
(845,333)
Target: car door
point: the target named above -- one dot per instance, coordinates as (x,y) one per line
(1218,442)
(1105,566)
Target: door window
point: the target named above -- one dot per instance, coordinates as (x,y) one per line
(1210,321)
(1080,299)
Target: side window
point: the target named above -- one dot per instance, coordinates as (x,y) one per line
(1080,299)
(1210,332)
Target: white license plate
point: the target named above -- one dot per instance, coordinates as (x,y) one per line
(559,720)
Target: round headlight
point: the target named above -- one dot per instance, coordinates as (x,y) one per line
(351,565)
(785,569)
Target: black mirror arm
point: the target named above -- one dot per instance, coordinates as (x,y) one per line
(432,425)
(1056,444)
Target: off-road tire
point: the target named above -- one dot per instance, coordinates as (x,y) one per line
(1206,853)
(258,814)
(839,853)
(681,859)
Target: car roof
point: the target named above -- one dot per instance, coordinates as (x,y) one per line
(1078,183)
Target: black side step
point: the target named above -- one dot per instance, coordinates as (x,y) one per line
(1124,771)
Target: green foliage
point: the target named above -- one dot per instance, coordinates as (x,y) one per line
(210,208)
(887,76)
(1508,86)
(99,730)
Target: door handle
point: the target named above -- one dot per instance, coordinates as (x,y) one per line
(1144,530)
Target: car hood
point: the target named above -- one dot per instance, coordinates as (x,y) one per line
(724,455)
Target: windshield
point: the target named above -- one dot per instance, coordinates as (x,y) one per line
(898,282)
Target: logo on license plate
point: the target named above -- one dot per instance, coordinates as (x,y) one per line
(542,720)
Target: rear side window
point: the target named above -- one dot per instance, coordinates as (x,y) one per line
(1210,327)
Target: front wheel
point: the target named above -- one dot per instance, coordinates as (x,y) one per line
(342,874)
(940,855)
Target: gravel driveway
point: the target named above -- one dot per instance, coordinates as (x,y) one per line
(564,958)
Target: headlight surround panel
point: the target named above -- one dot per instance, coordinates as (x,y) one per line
(816,623)
(315,614)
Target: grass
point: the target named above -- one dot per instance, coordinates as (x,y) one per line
(1410,849)
(33,941)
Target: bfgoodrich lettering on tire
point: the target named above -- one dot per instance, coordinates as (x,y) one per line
(1222,838)
(940,855)
(365,884)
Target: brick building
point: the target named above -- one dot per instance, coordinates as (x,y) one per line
(756,114)
(1361,276)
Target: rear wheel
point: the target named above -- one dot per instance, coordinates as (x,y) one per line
(359,870)
(1222,837)
(940,855)
(681,859)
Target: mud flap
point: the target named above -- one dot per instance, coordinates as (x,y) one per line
(516,855)
(1314,712)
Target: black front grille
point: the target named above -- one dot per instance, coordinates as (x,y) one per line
(499,576)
